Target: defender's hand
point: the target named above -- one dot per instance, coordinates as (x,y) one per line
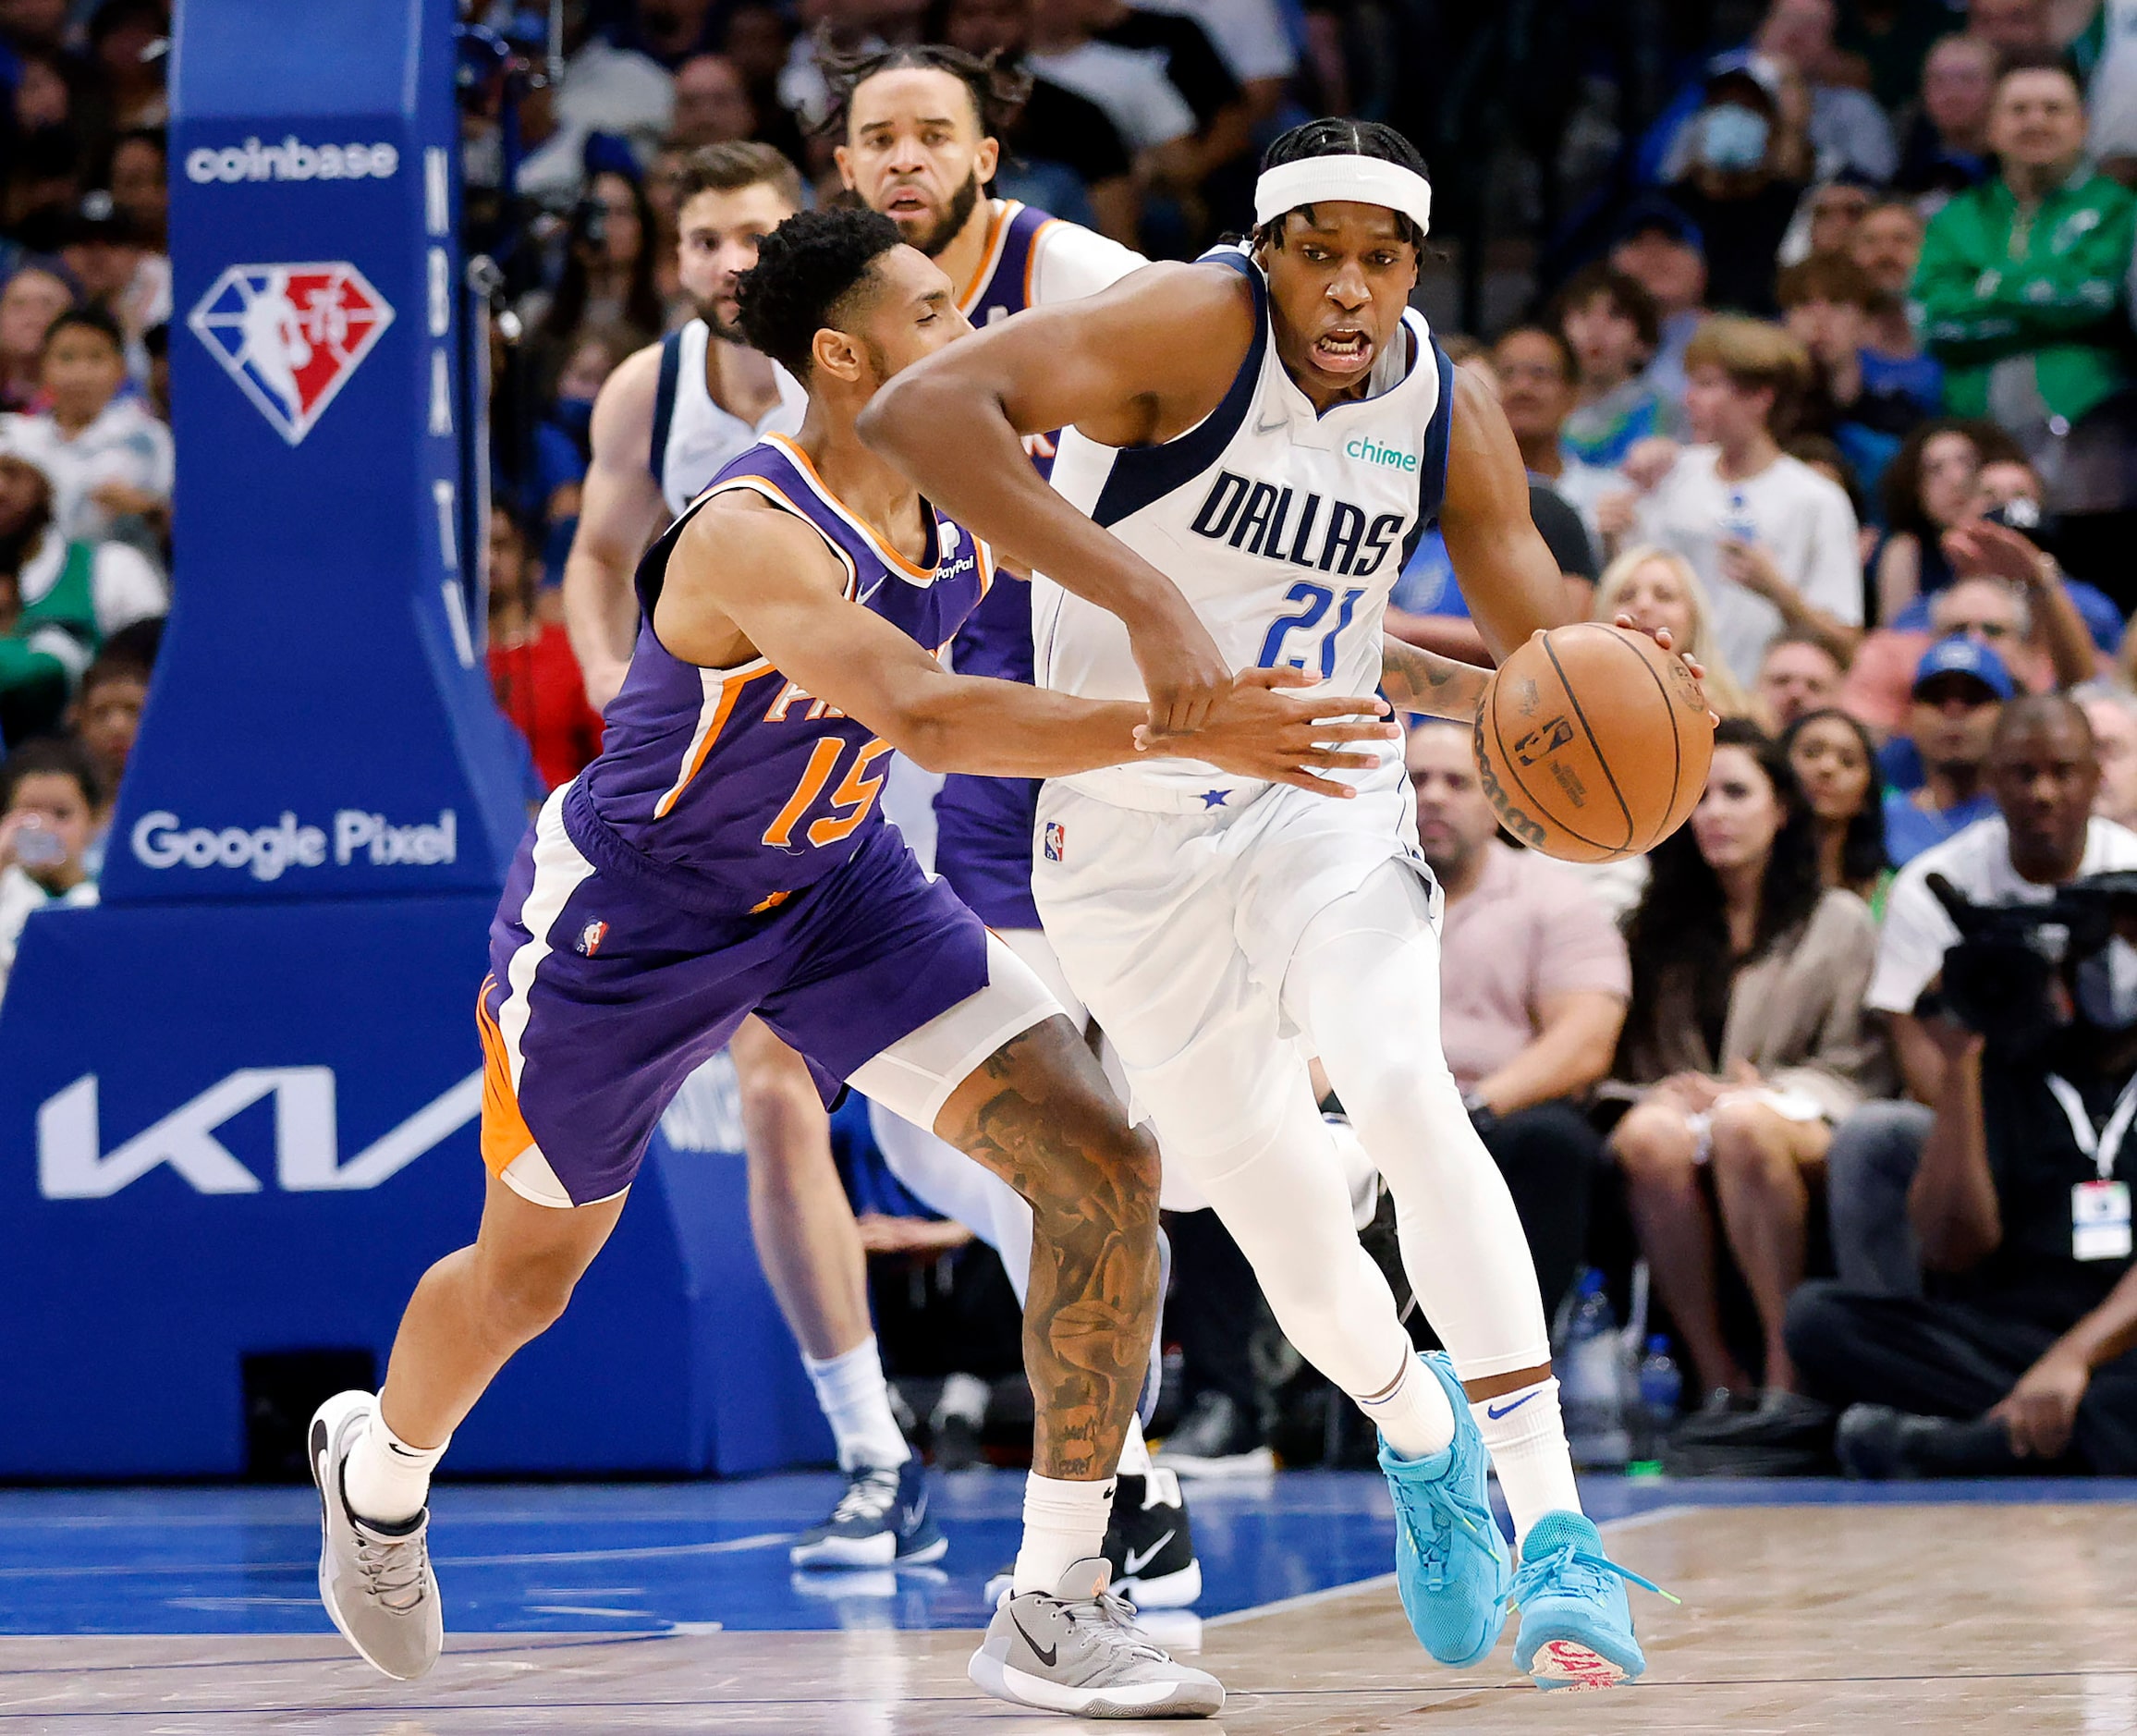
(1183,671)
(1255,732)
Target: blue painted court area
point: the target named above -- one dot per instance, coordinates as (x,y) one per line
(658,1557)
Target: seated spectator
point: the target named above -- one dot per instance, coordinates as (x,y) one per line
(110,463)
(1535,365)
(533,670)
(1932,484)
(1662,250)
(2011,27)
(106,715)
(1054,124)
(1847,131)
(1824,222)
(37,294)
(1880,683)
(1836,767)
(50,804)
(123,38)
(1773,540)
(2021,294)
(1946,148)
(562,441)
(1658,589)
(1612,327)
(1959,687)
(1797,675)
(607,277)
(1534,983)
(1886,243)
(2112,712)
(1867,402)
(1746,165)
(2022,1361)
(2044,772)
(1743,1045)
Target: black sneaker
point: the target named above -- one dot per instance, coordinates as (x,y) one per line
(881,1521)
(1216,1440)
(1875,1443)
(1150,1543)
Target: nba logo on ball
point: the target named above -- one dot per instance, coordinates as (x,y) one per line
(1057,842)
(290,335)
(591,937)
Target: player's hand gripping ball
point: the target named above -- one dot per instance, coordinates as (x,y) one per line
(1593,742)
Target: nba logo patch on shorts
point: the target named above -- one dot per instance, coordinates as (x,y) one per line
(591,937)
(1057,842)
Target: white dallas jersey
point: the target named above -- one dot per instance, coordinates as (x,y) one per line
(693,438)
(1284,529)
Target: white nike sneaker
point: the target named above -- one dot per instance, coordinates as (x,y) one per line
(1076,1649)
(376,1582)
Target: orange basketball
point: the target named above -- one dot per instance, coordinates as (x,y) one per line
(1593,742)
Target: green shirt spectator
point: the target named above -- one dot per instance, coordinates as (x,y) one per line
(2022,290)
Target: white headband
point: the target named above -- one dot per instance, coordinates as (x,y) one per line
(1362,181)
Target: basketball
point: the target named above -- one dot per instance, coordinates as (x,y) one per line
(1593,742)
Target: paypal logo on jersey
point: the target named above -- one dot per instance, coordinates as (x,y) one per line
(1370,451)
(1258,518)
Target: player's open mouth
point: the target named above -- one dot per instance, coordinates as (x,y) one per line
(906,201)
(1345,350)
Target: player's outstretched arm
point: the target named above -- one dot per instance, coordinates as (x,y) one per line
(746,573)
(619,512)
(1136,363)
(1506,571)
(1428,684)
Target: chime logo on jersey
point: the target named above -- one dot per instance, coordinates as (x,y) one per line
(1327,535)
(290,335)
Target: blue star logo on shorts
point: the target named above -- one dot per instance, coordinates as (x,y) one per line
(1214,798)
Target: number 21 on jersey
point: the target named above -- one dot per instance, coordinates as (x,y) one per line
(1310,613)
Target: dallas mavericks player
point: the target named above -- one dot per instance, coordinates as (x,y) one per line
(1273,429)
(722,856)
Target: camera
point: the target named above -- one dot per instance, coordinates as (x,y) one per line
(2027,976)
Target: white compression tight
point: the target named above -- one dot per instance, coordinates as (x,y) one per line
(1363,985)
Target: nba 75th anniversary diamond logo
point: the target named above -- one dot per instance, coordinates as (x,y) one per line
(290,335)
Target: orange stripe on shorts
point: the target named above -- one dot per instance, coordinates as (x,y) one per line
(505,1135)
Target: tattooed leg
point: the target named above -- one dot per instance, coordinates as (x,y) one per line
(1038,1113)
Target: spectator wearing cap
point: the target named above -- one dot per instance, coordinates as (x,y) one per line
(1662,250)
(1746,163)
(1959,687)
(1945,148)
(1866,402)
(118,272)
(2020,291)
(109,460)
(1772,539)
(39,292)
(1611,325)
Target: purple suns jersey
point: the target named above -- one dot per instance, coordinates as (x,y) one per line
(736,783)
(984,825)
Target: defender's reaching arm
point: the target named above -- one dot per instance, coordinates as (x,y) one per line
(746,578)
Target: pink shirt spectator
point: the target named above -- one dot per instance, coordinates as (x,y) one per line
(1528,931)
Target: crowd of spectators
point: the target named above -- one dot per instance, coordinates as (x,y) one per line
(1843,393)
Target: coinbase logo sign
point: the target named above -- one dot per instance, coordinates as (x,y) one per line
(292,161)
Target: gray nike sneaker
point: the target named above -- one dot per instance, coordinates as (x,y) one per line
(376,1584)
(1076,1649)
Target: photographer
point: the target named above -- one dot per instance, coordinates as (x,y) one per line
(2022,1357)
(2043,772)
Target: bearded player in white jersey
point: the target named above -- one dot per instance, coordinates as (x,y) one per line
(1270,429)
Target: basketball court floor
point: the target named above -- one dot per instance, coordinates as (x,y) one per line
(1806,1608)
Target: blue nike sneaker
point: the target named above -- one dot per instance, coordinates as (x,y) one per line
(881,1521)
(1451,1562)
(1576,1624)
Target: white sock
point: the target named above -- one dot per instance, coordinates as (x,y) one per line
(855,1400)
(1134,1451)
(1415,1417)
(386,1479)
(1064,1523)
(1526,1438)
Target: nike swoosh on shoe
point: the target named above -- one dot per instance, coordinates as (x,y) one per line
(1132,1563)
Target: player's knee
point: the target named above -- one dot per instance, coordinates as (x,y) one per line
(524,1295)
